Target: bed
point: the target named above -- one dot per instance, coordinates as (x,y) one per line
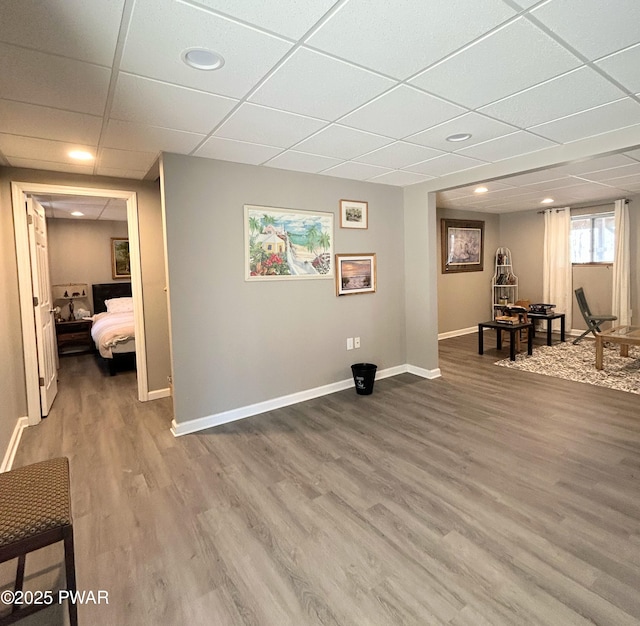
(113,326)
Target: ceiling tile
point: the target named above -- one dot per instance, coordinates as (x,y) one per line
(117,172)
(52,81)
(154,46)
(401,179)
(593,165)
(446,164)
(519,56)
(635,187)
(114,215)
(238,151)
(401,38)
(573,92)
(589,189)
(258,124)
(400,112)
(301,15)
(356,171)
(595,121)
(131,136)
(620,181)
(634,154)
(559,183)
(342,142)
(506,147)
(502,194)
(159,104)
(398,155)
(480,127)
(525,4)
(35,121)
(314,84)
(302,162)
(53,166)
(623,67)
(39,149)
(126,159)
(78,29)
(615,172)
(593,27)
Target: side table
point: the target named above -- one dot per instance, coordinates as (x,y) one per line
(74,337)
(512,329)
(549,317)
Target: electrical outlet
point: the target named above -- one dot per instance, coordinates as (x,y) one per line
(349,343)
(356,342)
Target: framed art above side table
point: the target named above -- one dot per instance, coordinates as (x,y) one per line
(462,243)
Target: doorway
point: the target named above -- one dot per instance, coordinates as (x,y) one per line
(20,192)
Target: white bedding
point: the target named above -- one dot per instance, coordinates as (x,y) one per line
(110,331)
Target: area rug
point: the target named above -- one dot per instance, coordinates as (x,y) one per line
(578,363)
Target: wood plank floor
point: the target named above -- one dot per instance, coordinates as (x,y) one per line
(488,496)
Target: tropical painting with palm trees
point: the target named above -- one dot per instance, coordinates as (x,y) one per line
(286,243)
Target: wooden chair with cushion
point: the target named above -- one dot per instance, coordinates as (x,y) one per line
(35,511)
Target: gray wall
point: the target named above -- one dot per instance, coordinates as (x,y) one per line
(523,234)
(13,401)
(236,343)
(464,298)
(12,384)
(421,266)
(80,252)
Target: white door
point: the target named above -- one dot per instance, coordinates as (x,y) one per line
(43,311)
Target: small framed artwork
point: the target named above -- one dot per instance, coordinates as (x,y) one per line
(354,214)
(355,273)
(120,264)
(462,246)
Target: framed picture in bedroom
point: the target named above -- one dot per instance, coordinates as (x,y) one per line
(355,273)
(120,263)
(462,243)
(287,244)
(354,214)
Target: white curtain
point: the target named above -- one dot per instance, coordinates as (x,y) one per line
(556,279)
(621,301)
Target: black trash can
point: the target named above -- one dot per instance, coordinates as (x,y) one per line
(364,375)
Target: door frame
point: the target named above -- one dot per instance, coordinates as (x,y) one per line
(19,192)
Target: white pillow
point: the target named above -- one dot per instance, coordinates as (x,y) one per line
(119,305)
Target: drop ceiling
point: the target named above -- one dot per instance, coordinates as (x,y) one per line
(61,206)
(359,89)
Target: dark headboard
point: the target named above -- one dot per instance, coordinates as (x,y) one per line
(106,291)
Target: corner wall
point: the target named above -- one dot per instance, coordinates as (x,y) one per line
(238,343)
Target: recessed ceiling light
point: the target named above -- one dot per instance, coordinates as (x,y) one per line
(202,59)
(81,155)
(481,190)
(77,214)
(459,137)
(547,201)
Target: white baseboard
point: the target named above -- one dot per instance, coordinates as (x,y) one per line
(14,442)
(458,333)
(209,421)
(420,371)
(156,394)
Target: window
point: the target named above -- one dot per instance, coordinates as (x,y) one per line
(593,238)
